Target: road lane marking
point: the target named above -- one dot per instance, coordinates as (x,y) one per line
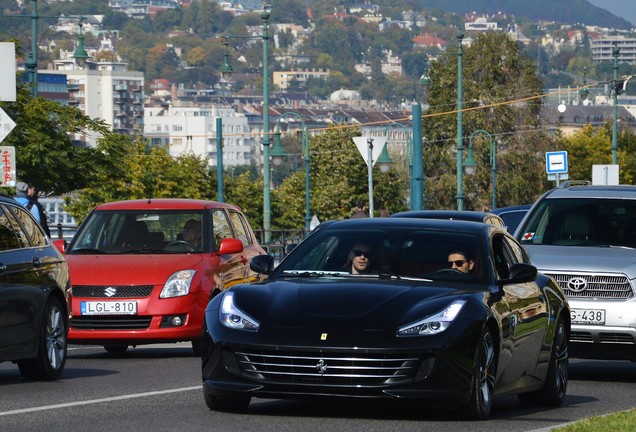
(95,401)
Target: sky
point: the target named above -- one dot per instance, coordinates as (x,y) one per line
(625,9)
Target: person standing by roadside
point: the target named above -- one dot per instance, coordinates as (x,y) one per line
(26,194)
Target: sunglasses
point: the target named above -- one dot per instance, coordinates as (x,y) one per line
(360,252)
(457,263)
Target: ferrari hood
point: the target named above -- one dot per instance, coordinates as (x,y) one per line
(328,303)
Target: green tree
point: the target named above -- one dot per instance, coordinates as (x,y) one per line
(501,96)
(45,152)
(338,181)
(124,168)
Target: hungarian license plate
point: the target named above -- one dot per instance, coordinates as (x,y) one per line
(588,316)
(108,308)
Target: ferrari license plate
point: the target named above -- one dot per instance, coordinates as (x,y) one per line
(108,308)
(588,316)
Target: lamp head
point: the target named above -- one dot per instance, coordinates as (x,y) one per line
(80,55)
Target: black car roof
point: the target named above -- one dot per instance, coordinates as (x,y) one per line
(463,225)
(443,214)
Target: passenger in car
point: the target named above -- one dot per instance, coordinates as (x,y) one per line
(360,259)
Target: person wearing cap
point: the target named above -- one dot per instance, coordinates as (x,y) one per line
(23,194)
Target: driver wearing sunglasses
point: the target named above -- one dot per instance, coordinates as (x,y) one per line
(458,260)
(361,258)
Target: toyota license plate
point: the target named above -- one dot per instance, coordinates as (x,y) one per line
(588,316)
(108,308)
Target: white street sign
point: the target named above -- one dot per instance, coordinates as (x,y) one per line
(6,125)
(363,147)
(556,162)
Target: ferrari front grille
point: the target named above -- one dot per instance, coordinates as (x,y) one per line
(328,368)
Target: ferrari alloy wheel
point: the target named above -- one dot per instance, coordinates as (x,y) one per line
(480,403)
(49,363)
(556,380)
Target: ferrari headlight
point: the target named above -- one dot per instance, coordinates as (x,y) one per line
(178,284)
(433,324)
(233,317)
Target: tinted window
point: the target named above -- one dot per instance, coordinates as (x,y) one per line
(30,228)
(396,250)
(8,235)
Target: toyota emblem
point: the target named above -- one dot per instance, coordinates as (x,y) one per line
(577,284)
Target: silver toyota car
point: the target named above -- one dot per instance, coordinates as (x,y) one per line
(584,236)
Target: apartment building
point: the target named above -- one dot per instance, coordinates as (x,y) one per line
(105,90)
(602,49)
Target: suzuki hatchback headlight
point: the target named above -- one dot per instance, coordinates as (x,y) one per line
(178,284)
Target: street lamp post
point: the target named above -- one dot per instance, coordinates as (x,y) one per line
(278,153)
(31,64)
(409,153)
(470,164)
(226,72)
(460,148)
(614,91)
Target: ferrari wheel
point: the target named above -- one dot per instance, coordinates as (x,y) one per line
(556,380)
(227,403)
(481,399)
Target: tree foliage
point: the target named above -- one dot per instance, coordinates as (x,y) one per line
(338,181)
(500,96)
(125,168)
(45,153)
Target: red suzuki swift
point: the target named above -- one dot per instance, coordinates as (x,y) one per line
(143,271)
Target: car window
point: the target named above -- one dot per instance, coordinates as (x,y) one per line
(581,222)
(240,231)
(503,255)
(122,232)
(31,229)
(220,226)
(400,251)
(8,235)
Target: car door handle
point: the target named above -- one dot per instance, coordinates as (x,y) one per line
(2,268)
(36,262)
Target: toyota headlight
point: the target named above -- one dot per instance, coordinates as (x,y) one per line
(434,324)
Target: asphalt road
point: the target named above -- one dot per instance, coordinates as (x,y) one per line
(158,388)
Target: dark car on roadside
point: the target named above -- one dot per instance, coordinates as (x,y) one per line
(465,215)
(410,327)
(34,281)
(512,215)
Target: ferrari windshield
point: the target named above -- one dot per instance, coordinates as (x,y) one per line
(390,251)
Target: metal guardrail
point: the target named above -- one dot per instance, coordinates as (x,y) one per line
(281,241)
(62,231)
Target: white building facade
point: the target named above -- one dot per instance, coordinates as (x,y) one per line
(105,90)
(193,130)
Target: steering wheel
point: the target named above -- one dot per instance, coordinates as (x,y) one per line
(179,244)
(451,271)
